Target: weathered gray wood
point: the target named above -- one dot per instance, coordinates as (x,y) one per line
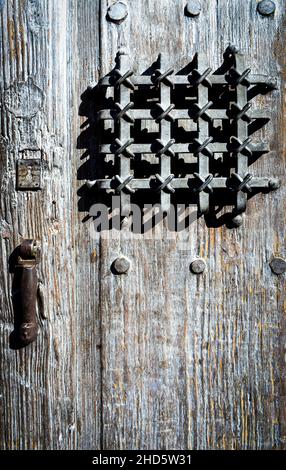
(50,391)
(157,358)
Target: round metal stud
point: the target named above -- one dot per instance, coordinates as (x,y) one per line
(274,183)
(121,265)
(271,84)
(236,221)
(266,7)
(278,265)
(198,266)
(117,12)
(193,8)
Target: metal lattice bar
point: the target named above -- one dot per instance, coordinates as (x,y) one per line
(258,183)
(242,132)
(148,80)
(151,114)
(165,133)
(124,132)
(215,147)
(203,133)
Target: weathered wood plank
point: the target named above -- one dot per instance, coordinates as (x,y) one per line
(193,362)
(84,68)
(38,383)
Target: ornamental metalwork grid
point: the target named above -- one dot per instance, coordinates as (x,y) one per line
(234,80)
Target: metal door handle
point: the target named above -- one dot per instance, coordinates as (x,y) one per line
(28,258)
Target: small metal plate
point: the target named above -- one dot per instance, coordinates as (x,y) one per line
(29,174)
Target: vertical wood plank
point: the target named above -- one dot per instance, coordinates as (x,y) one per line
(191,362)
(38,382)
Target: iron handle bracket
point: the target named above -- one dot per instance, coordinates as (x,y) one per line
(27,260)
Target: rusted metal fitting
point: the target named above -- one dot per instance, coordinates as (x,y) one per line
(27,260)
(29,174)
(29,252)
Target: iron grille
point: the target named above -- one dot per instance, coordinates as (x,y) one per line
(223,96)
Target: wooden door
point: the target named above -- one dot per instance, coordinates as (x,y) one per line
(158,357)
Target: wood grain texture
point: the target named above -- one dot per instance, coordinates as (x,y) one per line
(157,358)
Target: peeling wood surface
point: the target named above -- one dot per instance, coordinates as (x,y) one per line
(157,358)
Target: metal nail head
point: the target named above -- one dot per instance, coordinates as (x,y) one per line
(121,265)
(198,266)
(274,183)
(266,7)
(237,221)
(193,8)
(117,12)
(278,265)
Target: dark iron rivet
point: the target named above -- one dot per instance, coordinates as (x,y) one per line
(237,220)
(198,266)
(121,265)
(278,265)
(193,8)
(266,7)
(117,12)
(90,183)
(232,49)
(274,183)
(271,84)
